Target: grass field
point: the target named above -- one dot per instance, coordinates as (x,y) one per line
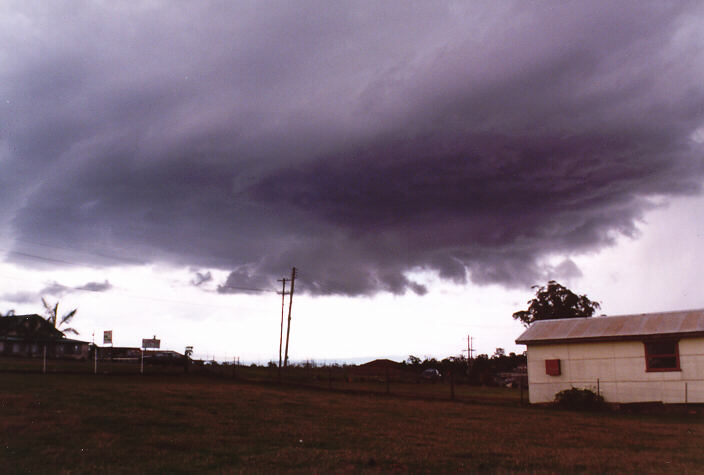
(404,383)
(84,423)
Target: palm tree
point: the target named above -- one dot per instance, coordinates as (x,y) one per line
(52,317)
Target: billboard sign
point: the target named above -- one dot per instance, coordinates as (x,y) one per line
(151,343)
(107,337)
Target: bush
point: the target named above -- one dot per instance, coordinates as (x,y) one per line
(579,400)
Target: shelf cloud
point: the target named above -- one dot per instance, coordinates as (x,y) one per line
(360,142)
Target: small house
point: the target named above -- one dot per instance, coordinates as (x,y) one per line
(655,357)
(32,336)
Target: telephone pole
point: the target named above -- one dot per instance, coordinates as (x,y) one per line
(290,303)
(283,304)
(469,351)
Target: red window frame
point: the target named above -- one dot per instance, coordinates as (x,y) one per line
(653,353)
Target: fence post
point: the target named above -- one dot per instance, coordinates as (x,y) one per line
(686,395)
(520,384)
(598,387)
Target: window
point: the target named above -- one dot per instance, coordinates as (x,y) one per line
(662,355)
(552,367)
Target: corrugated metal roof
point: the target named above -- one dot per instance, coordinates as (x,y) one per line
(621,327)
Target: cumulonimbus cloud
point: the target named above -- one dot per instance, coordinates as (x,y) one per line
(471,141)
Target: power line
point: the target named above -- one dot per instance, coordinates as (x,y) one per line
(79,251)
(76,250)
(121,290)
(42,258)
(247,288)
(62,261)
(314,284)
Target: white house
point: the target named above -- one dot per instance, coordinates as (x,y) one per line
(631,358)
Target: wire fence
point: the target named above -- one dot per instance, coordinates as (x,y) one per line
(403,382)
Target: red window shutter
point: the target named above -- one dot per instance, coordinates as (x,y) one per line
(552,367)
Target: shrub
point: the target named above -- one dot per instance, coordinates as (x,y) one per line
(579,400)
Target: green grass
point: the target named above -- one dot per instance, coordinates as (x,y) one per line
(179,424)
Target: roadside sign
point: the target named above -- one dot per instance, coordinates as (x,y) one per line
(151,343)
(107,337)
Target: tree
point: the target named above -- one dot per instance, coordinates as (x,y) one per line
(556,301)
(9,313)
(52,317)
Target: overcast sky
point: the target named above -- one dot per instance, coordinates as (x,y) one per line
(422,164)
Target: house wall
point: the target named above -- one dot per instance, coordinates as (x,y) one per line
(54,349)
(618,369)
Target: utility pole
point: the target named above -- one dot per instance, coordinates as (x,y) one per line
(469,351)
(283,304)
(290,303)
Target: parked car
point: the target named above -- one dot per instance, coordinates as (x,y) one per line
(431,374)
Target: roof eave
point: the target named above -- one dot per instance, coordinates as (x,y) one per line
(597,339)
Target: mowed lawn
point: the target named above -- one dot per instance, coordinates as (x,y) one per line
(84,423)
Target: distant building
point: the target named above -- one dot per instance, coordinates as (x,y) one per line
(133,354)
(376,370)
(119,353)
(381,364)
(654,357)
(29,335)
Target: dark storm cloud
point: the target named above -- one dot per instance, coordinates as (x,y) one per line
(95,286)
(244,280)
(360,142)
(201,278)
(54,289)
